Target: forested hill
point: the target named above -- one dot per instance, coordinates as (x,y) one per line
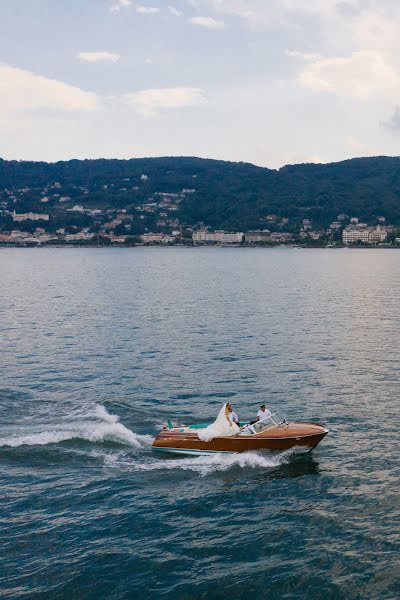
(222,195)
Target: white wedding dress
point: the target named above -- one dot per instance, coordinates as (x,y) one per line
(221,426)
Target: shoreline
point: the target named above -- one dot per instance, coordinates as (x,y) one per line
(197,247)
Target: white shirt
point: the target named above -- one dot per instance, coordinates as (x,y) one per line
(263,414)
(233,417)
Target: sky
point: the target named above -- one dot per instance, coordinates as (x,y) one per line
(271,82)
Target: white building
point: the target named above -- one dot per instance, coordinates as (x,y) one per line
(76,208)
(76,237)
(281,237)
(29,217)
(366,235)
(19,234)
(254,237)
(218,237)
(157,238)
(315,235)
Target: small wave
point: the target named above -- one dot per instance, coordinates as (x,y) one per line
(96,425)
(205,465)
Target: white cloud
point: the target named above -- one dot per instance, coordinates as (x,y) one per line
(394,121)
(152,101)
(120,4)
(359,75)
(208,22)
(147,10)
(333,27)
(100,56)
(236,8)
(269,14)
(174,11)
(372,30)
(321,7)
(260,8)
(22,90)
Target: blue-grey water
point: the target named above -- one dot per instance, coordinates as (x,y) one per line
(100,346)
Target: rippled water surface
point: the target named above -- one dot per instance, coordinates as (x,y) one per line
(100,346)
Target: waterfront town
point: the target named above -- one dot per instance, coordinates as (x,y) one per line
(355,233)
(57,219)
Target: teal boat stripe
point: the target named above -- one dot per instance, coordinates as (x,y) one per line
(184,451)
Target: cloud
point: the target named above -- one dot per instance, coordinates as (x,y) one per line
(152,101)
(21,90)
(237,8)
(262,13)
(101,56)
(174,11)
(394,121)
(373,30)
(147,10)
(208,22)
(289,14)
(120,4)
(359,75)
(260,8)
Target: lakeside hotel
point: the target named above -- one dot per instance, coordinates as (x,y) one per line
(361,233)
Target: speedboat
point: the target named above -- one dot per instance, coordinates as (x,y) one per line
(271,433)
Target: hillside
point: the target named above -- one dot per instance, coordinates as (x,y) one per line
(221,195)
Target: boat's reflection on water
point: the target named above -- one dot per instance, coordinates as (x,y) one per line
(299,465)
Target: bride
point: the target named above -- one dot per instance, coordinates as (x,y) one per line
(221,426)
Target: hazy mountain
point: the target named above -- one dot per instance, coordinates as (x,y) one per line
(226,195)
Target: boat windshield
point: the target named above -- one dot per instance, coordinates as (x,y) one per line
(267,423)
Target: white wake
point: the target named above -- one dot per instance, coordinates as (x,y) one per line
(94,424)
(203,465)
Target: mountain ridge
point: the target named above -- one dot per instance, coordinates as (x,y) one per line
(219,194)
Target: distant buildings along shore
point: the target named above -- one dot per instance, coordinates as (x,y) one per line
(157,218)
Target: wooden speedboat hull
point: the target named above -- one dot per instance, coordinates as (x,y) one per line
(281,437)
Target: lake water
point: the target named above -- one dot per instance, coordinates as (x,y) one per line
(100,346)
